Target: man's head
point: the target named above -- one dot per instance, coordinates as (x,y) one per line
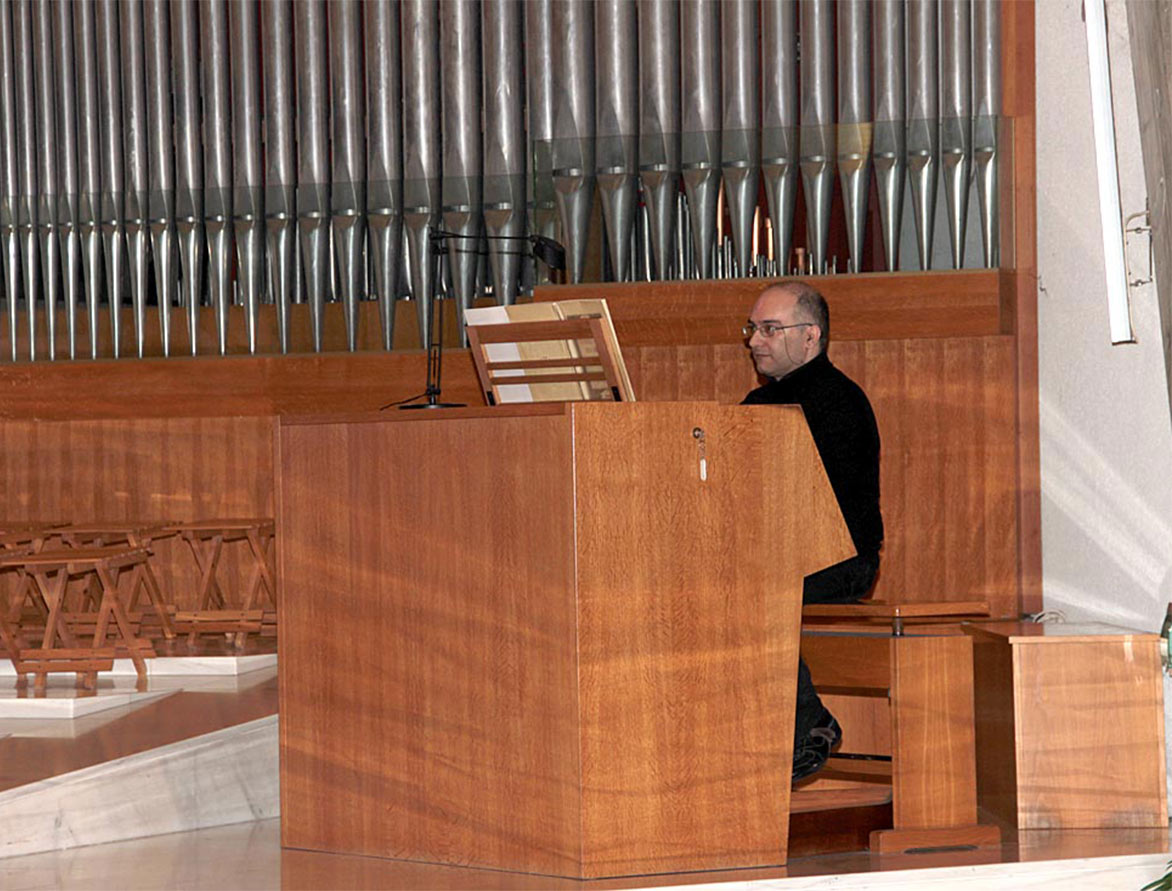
(788,326)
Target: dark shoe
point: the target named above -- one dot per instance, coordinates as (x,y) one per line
(811,754)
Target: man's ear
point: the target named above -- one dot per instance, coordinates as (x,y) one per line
(813,334)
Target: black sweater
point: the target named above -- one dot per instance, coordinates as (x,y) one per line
(844,430)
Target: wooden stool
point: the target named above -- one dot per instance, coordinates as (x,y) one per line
(906,703)
(50,570)
(143,578)
(207,538)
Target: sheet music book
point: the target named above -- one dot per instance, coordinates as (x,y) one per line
(532,390)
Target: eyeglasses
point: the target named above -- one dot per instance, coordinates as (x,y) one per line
(768,329)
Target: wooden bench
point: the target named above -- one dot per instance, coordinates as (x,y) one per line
(61,649)
(143,579)
(214,610)
(905,702)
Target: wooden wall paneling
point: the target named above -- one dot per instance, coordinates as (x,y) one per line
(865,307)
(474,682)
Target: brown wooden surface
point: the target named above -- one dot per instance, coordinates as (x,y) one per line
(1071,731)
(435,555)
(1090,728)
(934,782)
(571,699)
(684,606)
(872,306)
(896,841)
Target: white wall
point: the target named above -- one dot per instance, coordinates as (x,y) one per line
(1106,437)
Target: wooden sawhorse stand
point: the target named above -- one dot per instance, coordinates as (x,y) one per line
(50,571)
(207,538)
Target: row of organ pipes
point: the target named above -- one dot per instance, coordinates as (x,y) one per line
(164,155)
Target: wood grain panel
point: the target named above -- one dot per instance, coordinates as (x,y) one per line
(932,720)
(1090,735)
(432,578)
(871,306)
(687,589)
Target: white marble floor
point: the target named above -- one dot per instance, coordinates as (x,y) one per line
(248,857)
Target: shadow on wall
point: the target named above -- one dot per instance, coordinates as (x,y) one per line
(1116,561)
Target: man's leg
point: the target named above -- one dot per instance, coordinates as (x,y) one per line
(815,730)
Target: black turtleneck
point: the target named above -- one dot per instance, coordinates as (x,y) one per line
(844,430)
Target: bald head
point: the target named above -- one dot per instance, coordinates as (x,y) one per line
(792,325)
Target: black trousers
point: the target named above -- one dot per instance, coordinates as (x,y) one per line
(845,582)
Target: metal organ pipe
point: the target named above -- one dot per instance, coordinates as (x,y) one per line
(384,156)
(247,175)
(161,163)
(8,167)
(504,145)
(463,187)
(854,120)
(348,187)
(280,199)
(47,172)
(421,152)
(779,121)
(889,149)
(66,148)
(189,204)
(89,169)
(659,126)
(543,217)
(135,146)
(923,132)
(616,125)
(956,123)
(986,112)
(313,147)
(26,150)
(740,138)
(817,124)
(572,63)
(213,65)
(701,124)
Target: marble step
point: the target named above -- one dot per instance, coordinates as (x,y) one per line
(227,776)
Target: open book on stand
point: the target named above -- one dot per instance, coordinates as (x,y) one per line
(564,351)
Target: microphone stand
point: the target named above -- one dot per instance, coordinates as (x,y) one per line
(541,248)
(437,238)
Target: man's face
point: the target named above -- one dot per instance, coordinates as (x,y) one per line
(788,348)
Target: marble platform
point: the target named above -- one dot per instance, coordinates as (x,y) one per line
(178,666)
(64,701)
(227,776)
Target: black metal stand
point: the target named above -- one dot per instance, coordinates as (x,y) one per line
(544,249)
(435,347)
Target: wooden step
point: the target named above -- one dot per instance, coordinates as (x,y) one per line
(812,798)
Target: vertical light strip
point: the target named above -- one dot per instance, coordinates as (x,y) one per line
(1110,209)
